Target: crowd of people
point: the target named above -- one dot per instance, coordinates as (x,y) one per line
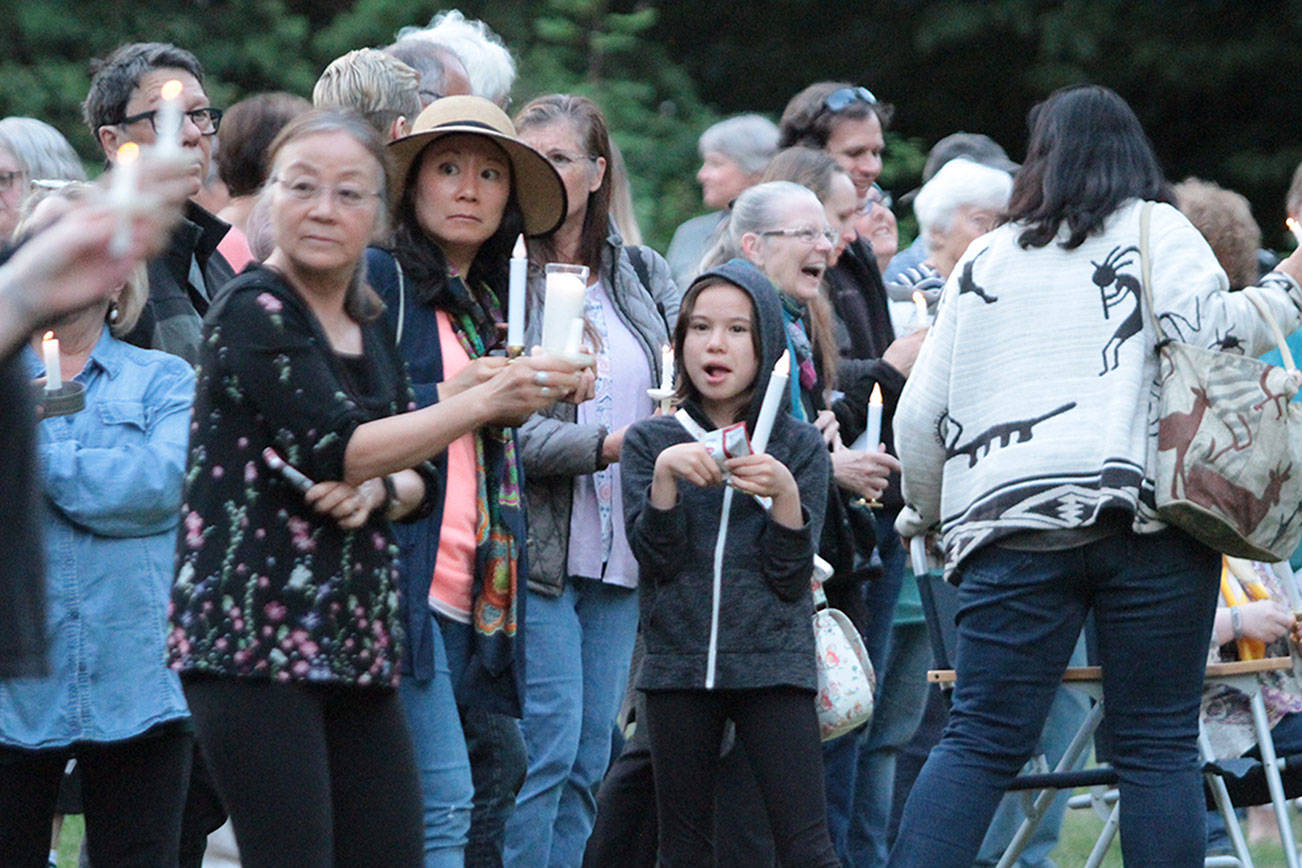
(304,537)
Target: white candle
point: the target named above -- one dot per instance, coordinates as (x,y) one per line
(768,413)
(122,193)
(50,350)
(1295,228)
(515,298)
(873,436)
(574,339)
(666,368)
(563,302)
(167,123)
(920,302)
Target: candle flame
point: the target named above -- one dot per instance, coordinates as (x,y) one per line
(128,153)
(49,336)
(782,367)
(519,252)
(876,396)
(920,302)
(171,89)
(1295,228)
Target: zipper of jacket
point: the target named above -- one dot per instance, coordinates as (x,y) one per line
(712,656)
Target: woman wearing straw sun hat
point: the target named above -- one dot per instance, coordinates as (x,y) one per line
(468,188)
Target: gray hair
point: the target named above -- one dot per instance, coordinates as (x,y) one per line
(377,85)
(488,63)
(42,150)
(960,182)
(117,76)
(758,209)
(750,141)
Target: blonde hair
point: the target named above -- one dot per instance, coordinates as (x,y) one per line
(1225,219)
(377,85)
(135,290)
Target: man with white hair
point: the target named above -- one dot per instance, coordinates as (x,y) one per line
(488,64)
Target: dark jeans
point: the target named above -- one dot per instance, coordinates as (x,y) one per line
(132,792)
(779,729)
(498,760)
(1153,598)
(312,775)
(203,815)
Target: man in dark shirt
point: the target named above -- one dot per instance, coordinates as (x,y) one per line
(121,106)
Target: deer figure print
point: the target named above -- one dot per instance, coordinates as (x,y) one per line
(1208,487)
(966,283)
(1176,431)
(1114,287)
(980,445)
(1279,399)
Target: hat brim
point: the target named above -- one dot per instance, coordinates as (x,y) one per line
(539,188)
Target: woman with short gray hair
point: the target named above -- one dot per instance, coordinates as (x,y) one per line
(31,150)
(961,202)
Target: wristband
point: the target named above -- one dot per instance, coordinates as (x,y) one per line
(1236,622)
(390,494)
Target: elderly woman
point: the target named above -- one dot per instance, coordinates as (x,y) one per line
(112,483)
(31,150)
(733,154)
(1043,529)
(285,618)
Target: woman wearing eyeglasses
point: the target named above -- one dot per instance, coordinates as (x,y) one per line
(583,599)
(30,150)
(285,621)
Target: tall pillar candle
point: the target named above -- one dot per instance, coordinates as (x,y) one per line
(562,304)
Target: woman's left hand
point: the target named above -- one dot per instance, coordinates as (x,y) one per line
(864,473)
(350,506)
(827,425)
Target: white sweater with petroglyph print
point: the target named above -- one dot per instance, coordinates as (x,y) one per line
(1028,407)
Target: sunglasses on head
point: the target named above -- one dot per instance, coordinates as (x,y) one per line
(839,100)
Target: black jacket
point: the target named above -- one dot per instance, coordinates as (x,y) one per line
(764,637)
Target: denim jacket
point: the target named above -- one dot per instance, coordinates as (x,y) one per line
(112,481)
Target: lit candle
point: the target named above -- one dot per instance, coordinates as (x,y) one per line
(920,302)
(1295,228)
(562,304)
(574,339)
(50,350)
(122,193)
(515,299)
(873,436)
(666,368)
(167,123)
(768,413)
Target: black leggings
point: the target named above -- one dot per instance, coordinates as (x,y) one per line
(311,775)
(779,728)
(132,792)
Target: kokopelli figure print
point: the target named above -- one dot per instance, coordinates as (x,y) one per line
(1114,287)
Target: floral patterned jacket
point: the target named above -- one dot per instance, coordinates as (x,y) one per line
(265,587)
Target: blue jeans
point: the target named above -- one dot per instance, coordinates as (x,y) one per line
(1153,598)
(441,760)
(497,759)
(579,648)
(1068,710)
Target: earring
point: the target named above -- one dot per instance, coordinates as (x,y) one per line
(113,312)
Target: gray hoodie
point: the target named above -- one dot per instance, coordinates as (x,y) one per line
(763,637)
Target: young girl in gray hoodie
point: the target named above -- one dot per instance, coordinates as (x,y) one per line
(725,611)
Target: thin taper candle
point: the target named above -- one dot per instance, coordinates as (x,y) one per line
(768,413)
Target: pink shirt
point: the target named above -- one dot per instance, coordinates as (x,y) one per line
(454,569)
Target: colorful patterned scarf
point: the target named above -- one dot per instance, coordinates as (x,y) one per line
(803,351)
(496,581)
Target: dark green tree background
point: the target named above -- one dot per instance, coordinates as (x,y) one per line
(1216,82)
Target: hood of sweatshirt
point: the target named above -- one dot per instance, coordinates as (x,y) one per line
(772,334)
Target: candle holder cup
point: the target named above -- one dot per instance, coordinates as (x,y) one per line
(66,400)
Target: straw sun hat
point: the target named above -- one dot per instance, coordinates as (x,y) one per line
(538,187)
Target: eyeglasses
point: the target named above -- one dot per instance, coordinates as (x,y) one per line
(307,191)
(878,196)
(208,120)
(9,179)
(839,100)
(806,235)
(562,160)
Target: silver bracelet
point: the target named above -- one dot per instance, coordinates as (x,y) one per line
(1236,622)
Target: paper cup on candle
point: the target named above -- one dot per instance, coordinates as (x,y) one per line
(563,301)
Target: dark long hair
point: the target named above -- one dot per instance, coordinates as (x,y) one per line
(1087,155)
(426,267)
(595,136)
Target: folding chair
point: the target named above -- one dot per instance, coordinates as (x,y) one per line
(940,607)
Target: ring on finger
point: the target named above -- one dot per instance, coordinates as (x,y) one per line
(540,378)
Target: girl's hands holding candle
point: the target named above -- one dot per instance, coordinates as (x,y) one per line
(765,476)
(691,462)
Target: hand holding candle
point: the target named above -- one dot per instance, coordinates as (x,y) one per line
(515,298)
(768,413)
